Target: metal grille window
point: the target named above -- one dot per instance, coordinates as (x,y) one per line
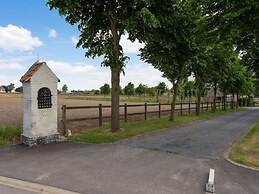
(44,98)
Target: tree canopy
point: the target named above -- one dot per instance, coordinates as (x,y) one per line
(105,89)
(64,88)
(170,47)
(102,24)
(129,89)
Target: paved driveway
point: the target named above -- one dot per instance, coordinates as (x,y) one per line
(171,161)
(207,139)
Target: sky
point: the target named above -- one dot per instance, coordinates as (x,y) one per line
(29,30)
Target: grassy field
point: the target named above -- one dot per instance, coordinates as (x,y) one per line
(131,129)
(246,151)
(10,134)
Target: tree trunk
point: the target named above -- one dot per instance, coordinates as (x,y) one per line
(198,108)
(115,79)
(224,101)
(214,97)
(115,108)
(157,96)
(233,102)
(237,100)
(172,114)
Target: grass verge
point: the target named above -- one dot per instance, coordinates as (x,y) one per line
(131,129)
(246,151)
(10,134)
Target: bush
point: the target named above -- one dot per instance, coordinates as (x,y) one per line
(10,134)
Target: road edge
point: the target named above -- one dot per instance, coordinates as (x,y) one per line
(32,187)
(226,156)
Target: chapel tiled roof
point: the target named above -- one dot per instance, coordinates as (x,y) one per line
(35,67)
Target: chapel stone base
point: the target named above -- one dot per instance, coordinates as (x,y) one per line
(33,141)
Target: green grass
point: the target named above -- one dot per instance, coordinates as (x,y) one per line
(131,129)
(246,151)
(9,134)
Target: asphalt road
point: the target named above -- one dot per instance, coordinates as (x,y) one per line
(207,139)
(165,162)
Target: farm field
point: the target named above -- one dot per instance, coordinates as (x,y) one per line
(11,111)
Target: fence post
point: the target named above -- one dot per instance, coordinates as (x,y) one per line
(100,115)
(189,108)
(125,113)
(64,122)
(181,108)
(202,107)
(159,110)
(145,111)
(207,106)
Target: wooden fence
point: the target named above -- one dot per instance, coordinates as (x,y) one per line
(182,107)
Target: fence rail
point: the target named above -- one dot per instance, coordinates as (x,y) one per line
(182,107)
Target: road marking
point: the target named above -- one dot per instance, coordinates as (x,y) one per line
(43,176)
(32,187)
(210,187)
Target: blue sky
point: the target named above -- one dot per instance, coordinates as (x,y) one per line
(28,28)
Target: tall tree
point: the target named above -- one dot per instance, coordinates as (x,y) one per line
(9,87)
(105,89)
(102,23)
(129,89)
(238,20)
(64,88)
(161,88)
(169,47)
(141,89)
(189,89)
(151,91)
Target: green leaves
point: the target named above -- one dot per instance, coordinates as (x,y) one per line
(105,89)
(129,89)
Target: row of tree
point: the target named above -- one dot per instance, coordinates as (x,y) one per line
(11,87)
(215,40)
(140,90)
(186,90)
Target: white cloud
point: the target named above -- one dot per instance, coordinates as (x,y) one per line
(14,38)
(142,73)
(17,58)
(2,77)
(70,69)
(11,66)
(130,47)
(82,76)
(74,40)
(52,33)
(6,80)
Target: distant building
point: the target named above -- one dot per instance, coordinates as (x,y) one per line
(219,96)
(2,90)
(210,95)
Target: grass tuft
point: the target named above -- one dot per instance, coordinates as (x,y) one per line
(246,151)
(10,134)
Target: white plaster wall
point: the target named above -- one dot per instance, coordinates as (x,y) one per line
(43,121)
(26,108)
